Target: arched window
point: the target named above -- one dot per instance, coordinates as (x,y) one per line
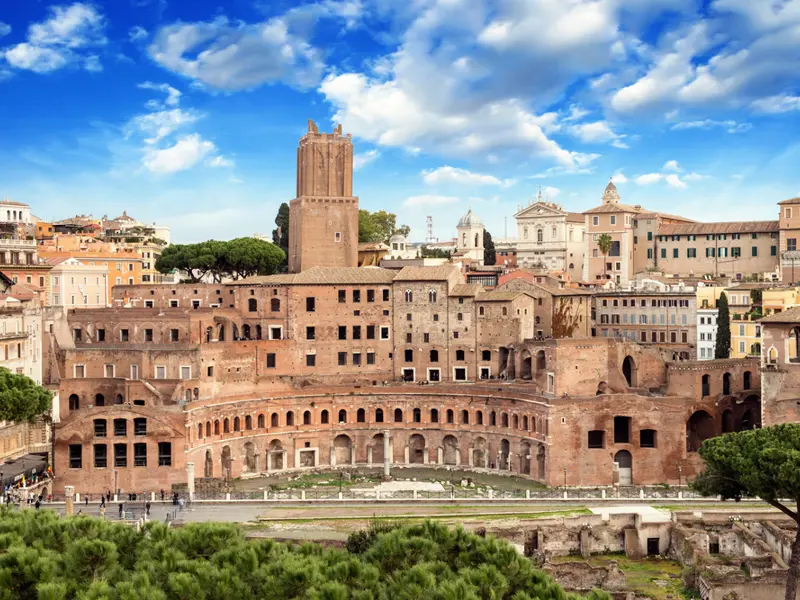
(431,295)
(434,415)
(434,356)
(398,415)
(479,417)
(409,296)
(342,416)
(99,400)
(208,428)
(726,383)
(252,305)
(746,382)
(525,233)
(258,332)
(361,415)
(492,418)
(237,424)
(216,427)
(226,426)
(307,417)
(504,420)
(555,234)
(505,311)
(706,384)
(465,417)
(525,422)
(449,416)
(539,235)
(248,423)
(273,420)
(261,422)
(323,417)
(289,419)
(275,305)
(417,415)
(464,240)
(515,422)
(477,240)
(481,311)
(199,431)
(379,415)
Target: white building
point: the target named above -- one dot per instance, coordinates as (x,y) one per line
(706,333)
(550,237)
(15,212)
(74,284)
(470,238)
(400,249)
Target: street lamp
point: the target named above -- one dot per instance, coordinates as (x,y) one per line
(680,478)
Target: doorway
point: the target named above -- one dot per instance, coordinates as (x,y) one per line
(624,461)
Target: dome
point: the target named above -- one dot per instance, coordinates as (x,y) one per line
(397,238)
(470,220)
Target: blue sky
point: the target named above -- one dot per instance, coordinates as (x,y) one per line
(188,113)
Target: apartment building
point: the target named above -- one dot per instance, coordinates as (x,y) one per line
(74,284)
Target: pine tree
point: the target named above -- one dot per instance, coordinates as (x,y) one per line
(489,254)
(723,347)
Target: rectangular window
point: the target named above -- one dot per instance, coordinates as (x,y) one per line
(337,237)
(674,253)
(597,439)
(370,295)
(164,454)
(409,356)
(311,333)
(311,304)
(791,244)
(613,219)
(186,372)
(311,360)
(595,220)
(342,296)
(356,295)
(174,303)
(384,332)
(356,332)
(650,253)
(174,335)
(100,428)
(134,372)
(773,250)
(342,359)
(408,338)
(161,372)
(271,360)
(622,430)
(342,332)
(647,438)
(663,253)
(741,347)
(691,253)
(120,427)
(123,335)
(370,358)
(356,359)
(649,236)
(754,251)
(109,370)
(386,295)
(370,332)
(75,456)
(140,455)
(736,252)
(120,455)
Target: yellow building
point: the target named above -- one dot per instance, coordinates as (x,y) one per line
(749,307)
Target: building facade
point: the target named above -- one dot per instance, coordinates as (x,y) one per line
(74,284)
(470,238)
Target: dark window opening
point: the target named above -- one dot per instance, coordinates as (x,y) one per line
(597,439)
(622,430)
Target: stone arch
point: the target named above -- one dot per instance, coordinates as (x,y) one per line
(479,453)
(624,459)
(727,421)
(307,417)
(342,449)
(99,400)
(541,461)
(275,455)
(526,366)
(226,461)
(525,457)
(699,428)
(250,458)
(377,448)
(630,371)
(726,384)
(505,454)
(450,450)
(208,467)
(416,449)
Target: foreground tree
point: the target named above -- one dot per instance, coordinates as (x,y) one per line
(604,244)
(489,254)
(763,463)
(378,227)
(280,235)
(21,398)
(723,346)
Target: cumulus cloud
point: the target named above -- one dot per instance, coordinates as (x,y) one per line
(619,177)
(219,162)
(137,33)
(672,165)
(5,29)
(780,103)
(729,125)
(362,159)
(551,192)
(448,174)
(61,40)
(184,154)
(669,174)
(674,181)
(649,178)
(598,132)
(428,201)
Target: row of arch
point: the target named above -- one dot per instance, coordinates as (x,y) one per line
(525,423)
(74,400)
(727,383)
(527,457)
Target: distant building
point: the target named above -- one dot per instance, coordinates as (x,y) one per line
(470,238)
(74,284)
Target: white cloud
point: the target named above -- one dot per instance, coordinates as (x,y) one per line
(184,154)
(5,29)
(455,175)
(672,165)
(576,113)
(173,95)
(694,176)
(551,192)
(60,40)
(362,159)
(158,125)
(780,103)
(427,201)
(219,161)
(619,177)
(649,178)
(674,181)
(137,33)
(730,125)
(599,132)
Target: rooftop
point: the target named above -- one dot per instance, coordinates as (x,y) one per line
(790,316)
(324,275)
(466,289)
(501,296)
(729,227)
(440,273)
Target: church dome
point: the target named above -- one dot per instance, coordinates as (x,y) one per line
(470,220)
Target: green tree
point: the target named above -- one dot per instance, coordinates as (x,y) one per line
(21,398)
(763,463)
(723,347)
(197,260)
(426,252)
(604,244)
(280,235)
(247,256)
(378,226)
(489,254)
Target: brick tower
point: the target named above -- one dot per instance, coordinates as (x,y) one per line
(323,218)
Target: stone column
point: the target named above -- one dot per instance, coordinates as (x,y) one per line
(333,456)
(69,492)
(439,455)
(387,456)
(353,454)
(269,461)
(190,479)
(471,457)
(458,456)
(426,456)
(406,454)
(369,456)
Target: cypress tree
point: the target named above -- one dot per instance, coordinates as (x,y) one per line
(723,347)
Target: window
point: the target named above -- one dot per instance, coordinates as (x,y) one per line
(140,426)
(356,332)
(311,304)
(788,212)
(342,360)
(754,251)
(622,430)
(459,355)
(148,335)
(252,305)
(409,355)
(120,427)
(337,237)
(164,454)
(691,253)
(271,360)
(75,456)
(173,304)
(595,220)
(342,332)
(134,372)
(663,253)
(100,456)
(161,372)
(311,360)
(123,335)
(597,439)
(384,332)
(275,305)
(791,244)
(674,253)
(356,295)
(342,296)
(409,296)
(311,333)
(186,372)
(773,250)
(109,370)
(649,253)
(100,428)
(649,236)
(140,455)
(647,438)
(486,355)
(174,335)
(120,455)
(613,219)
(460,374)
(370,358)
(434,356)
(386,295)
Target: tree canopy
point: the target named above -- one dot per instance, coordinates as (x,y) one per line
(723,345)
(489,254)
(21,398)
(237,258)
(378,226)
(44,557)
(763,463)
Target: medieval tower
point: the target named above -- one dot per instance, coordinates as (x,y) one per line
(323,218)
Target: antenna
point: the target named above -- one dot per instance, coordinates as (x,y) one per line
(505,227)
(429,239)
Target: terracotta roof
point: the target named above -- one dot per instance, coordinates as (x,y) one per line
(615,207)
(12,203)
(323,275)
(790,201)
(791,315)
(652,215)
(439,273)
(575,218)
(727,227)
(501,296)
(466,289)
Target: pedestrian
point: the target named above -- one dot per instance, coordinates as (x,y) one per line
(180,503)
(38,504)
(86,500)
(102,501)
(108,495)
(120,510)
(147,508)
(162,494)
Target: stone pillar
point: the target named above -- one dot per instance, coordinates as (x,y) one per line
(387,456)
(190,479)
(471,457)
(458,457)
(405,454)
(369,456)
(269,461)
(585,543)
(439,455)
(332,460)
(69,492)
(353,454)
(426,456)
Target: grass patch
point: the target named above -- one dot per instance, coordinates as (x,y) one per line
(412,516)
